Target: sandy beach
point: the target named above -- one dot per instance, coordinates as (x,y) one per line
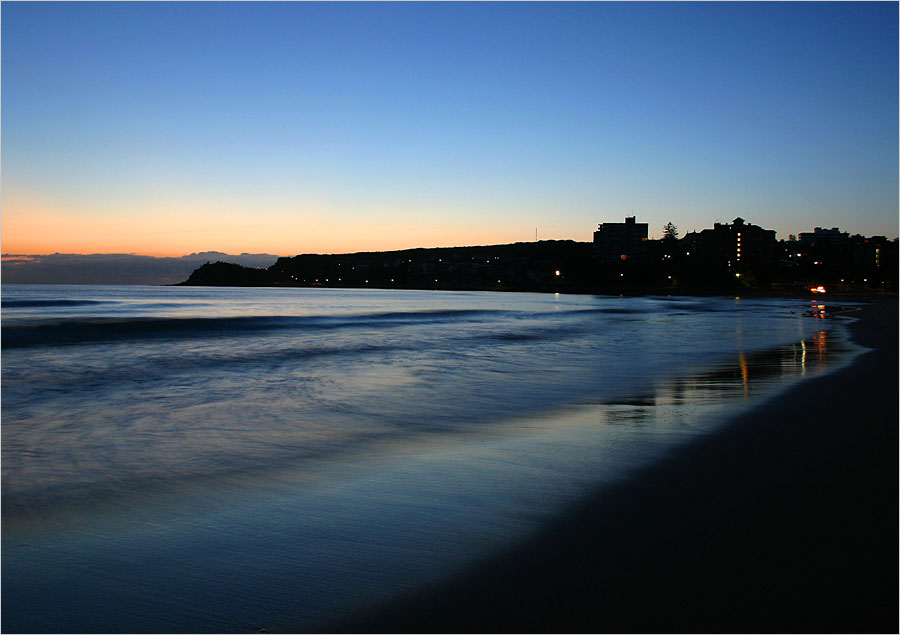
(784,520)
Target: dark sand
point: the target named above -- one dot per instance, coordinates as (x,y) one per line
(785,520)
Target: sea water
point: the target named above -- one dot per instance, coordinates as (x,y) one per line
(234,459)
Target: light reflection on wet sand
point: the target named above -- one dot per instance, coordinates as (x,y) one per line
(728,384)
(294,548)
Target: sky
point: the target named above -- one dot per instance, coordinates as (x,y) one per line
(170,128)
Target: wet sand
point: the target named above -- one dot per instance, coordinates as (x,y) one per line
(784,520)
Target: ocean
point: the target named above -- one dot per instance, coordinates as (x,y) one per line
(186,459)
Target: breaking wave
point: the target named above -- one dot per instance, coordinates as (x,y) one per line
(84,330)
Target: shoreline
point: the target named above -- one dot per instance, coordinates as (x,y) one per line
(784,519)
(799,293)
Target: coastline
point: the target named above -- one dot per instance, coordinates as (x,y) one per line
(785,519)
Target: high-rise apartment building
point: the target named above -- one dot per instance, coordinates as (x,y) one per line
(621,241)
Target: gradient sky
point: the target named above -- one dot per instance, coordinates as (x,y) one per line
(170,128)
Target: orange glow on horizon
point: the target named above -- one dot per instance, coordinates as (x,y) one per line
(37,228)
(230,245)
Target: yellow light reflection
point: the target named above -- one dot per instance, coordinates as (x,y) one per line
(744,375)
(803,357)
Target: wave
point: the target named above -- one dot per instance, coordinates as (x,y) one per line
(432,314)
(49,303)
(164,367)
(85,330)
(648,309)
(555,333)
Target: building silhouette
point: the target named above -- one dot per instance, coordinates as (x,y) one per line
(833,237)
(833,256)
(738,247)
(616,242)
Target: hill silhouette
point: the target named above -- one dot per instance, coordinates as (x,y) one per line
(549,265)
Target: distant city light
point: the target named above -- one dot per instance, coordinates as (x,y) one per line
(557,272)
(819,289)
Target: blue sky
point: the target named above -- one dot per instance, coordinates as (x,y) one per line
(170,128)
